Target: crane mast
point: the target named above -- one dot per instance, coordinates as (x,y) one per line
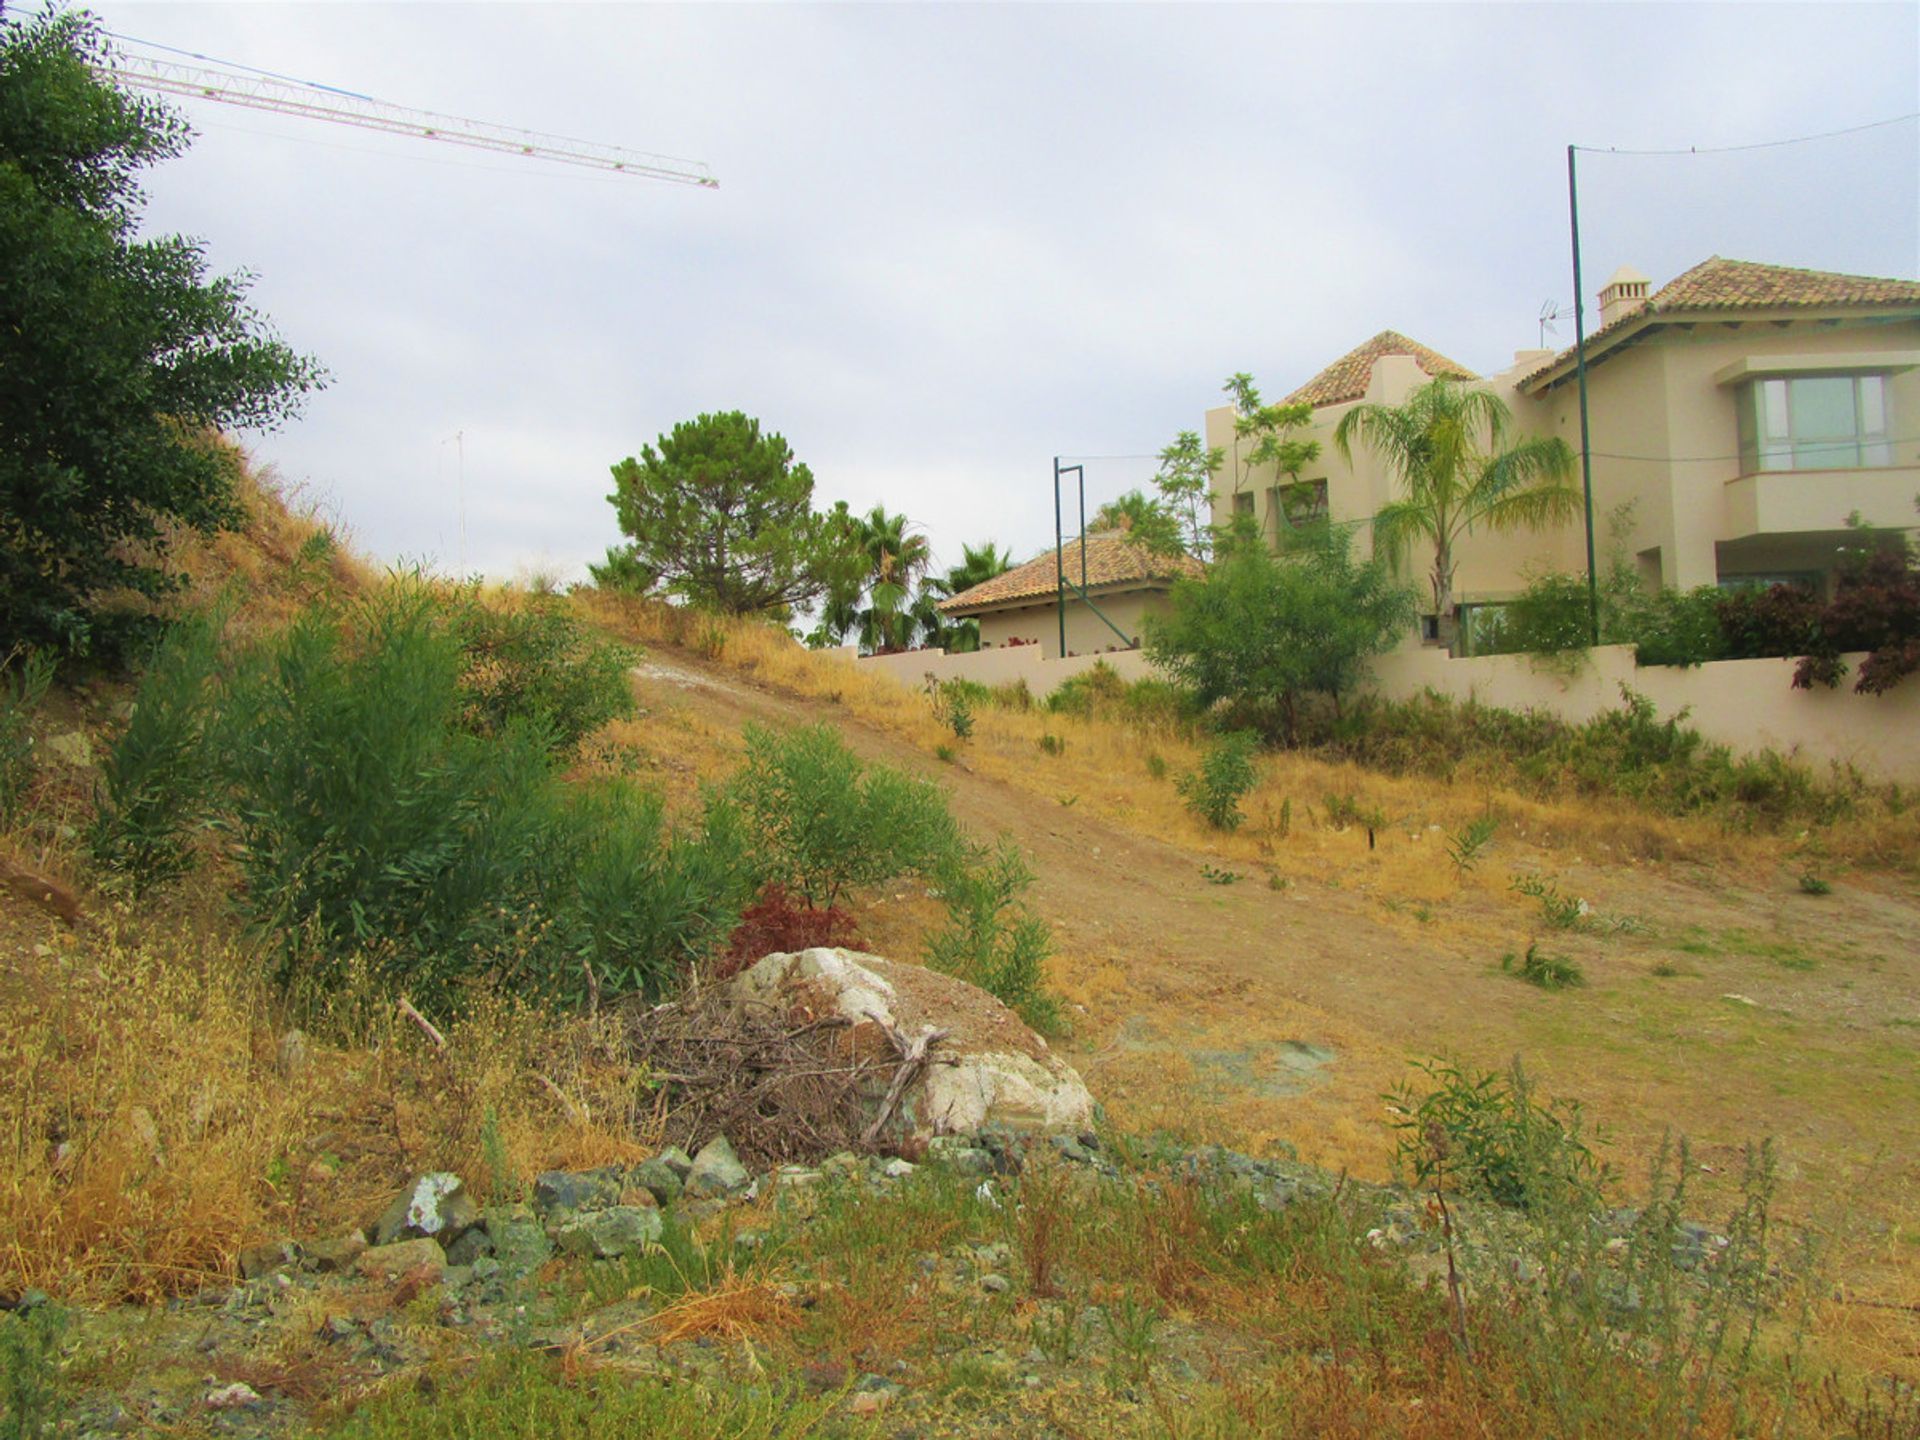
(261,91)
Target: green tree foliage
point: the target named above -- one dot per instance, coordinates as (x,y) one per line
(720,515)
(537,662)
(976,567)
(1147,521)
(826,822)
(1449,447)
(1185,483)
(874,600)
(1261,631)
(1267,434)
(124,359)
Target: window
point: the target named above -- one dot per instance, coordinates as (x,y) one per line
(1814,422)
(1302,503)
(1243,502)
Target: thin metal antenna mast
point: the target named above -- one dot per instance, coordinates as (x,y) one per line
(258,91)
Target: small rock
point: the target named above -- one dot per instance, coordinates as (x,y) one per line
(716,1171)
(435,1205)
(329,1256)
(822,1375)
(795,1177)
(470,1247)
(869,1402)
(608,1234)
(658,1178)
(559,1194)
(336,1328)
(259,1260)
(676,1160)
(954,1151)
(237,1396)
(390,1261)
(897,1169)
(519,1245)
(995,1284)
(72,747)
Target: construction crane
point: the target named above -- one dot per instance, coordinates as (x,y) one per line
(196,77)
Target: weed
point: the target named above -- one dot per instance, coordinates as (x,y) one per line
(1486,1134)
(1132,1327)
(1226,774)
(1466,846)
(1215,876)
(1549,972)
(953,703)
(1286,817)
(991,940)
(1277,882)
(945,754)
(1562,912)
(1812,884)
(1666,969)
(1055,1332)
(1156,765)
(24,677)
(30,1381)
(1051,744)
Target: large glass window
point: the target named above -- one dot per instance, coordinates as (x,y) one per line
(1814,422)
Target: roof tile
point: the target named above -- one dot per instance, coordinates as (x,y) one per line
(1112,559)
(1347,378)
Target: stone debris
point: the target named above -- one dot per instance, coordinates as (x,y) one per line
(435,1206)
(716,1172)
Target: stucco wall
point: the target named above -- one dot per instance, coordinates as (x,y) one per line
(1746,704)
(1086,632)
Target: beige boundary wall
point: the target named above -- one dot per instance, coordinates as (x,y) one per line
(1746,704)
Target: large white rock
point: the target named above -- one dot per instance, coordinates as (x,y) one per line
(990,1070)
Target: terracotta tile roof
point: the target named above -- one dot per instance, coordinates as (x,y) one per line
(1717,284)
(1112,559)
(1347,378)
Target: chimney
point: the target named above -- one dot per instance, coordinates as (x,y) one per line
(1625,294)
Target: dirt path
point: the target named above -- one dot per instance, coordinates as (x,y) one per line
(1714,1005)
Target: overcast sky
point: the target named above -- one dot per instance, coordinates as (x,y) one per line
(952,242)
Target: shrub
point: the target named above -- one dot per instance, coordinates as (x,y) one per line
(1052,745)
(536,662)
(31,1383)
(159,776)
(639,905)
(991,940)
(1551,616)
(1487,1134)
(1467,846)
(1766,624)
(1226,773)
(1095,690)
(1013,695)
(776,924)
(1876,608)
(24,678)
(1680,627)
(1549,972)
(953,705)
(826,822)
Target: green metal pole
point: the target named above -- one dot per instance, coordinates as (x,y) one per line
(1580,370)
(1059,561)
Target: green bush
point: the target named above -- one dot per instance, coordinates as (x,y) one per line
(24,678)
(1487,1134)
(1548,972)
(537,662)
(1226,774)
(1551,616)
(1678,627)
(159,777)
(953,705)
(32,1386)
(638,902)
(1093,691)
(991,940)
(826,822)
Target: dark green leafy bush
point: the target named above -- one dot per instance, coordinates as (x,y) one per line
(1225,775)
(158,779)
(954,702)
(825,822)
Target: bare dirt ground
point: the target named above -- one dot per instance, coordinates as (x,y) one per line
(1722,1006)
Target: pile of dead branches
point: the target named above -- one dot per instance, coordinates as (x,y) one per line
(784,1088)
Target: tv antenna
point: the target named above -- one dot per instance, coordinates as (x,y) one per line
(1549,312)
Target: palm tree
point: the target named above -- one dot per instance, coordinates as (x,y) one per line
(1449,446)
(975,568)
(894,559)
